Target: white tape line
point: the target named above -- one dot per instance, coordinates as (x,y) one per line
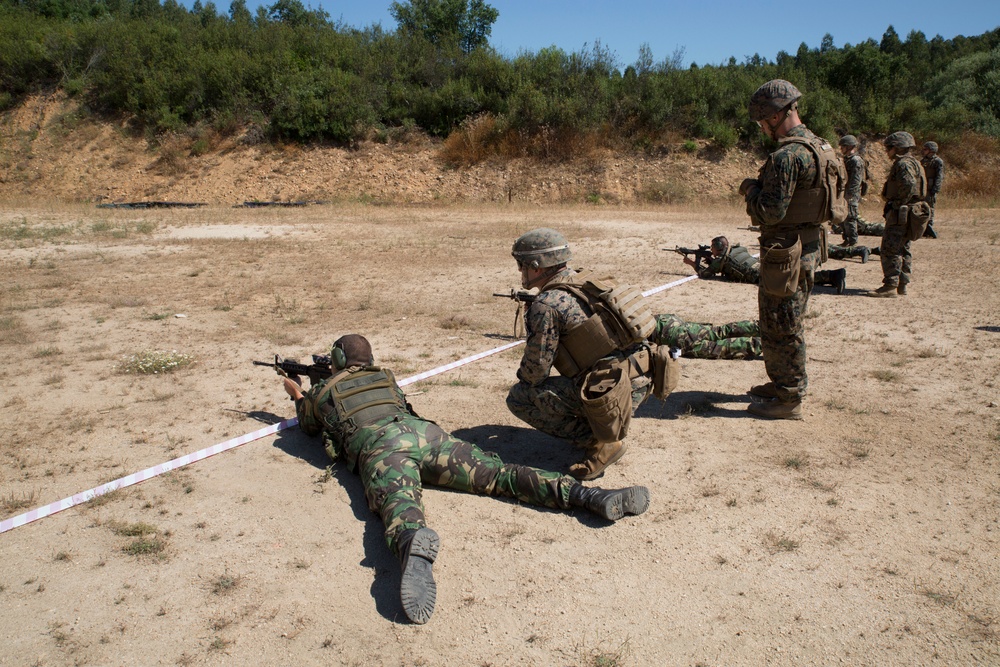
(143,475)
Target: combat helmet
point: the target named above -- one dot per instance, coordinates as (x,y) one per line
(771,98)
(720,244)
(849,140)
(541,248)
(899,140)
(931,146)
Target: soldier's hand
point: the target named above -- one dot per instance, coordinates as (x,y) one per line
(292,388)
(748,184)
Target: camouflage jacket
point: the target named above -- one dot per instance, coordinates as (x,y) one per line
(786,169)
(550,315)
(934,169)
(855,165)
(335,442)
(904,183)
(736,264)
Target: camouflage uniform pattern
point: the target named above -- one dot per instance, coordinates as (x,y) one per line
(736,340)
(934,170)
(736,264)
(396,455)
(552,404)
(855,165)
(782,325)
(844,252)
(897,262)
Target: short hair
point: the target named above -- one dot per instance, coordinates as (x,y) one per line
(357,350)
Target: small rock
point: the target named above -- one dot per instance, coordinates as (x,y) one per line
(179,315)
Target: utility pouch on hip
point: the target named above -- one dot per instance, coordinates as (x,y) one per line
(779,268)
(606,395)
(824,245)
(918,217)
(666,371)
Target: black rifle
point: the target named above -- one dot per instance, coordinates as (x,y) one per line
(317,371)
(702,254)
(521,296)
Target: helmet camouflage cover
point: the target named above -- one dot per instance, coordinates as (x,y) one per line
(931,146)
(771,98)
(541,248)
(849,140)
(720,244)
(899,140)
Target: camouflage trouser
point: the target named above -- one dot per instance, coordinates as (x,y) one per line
(843,252)
(554,407)
(736,340)
(863,227)
(782,331)
(850,234)
(931,201)
(414,450)
(895,256)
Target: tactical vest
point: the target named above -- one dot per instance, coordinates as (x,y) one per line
(825,199)
(891,190)
(620,318)
(741,265)
(359,398)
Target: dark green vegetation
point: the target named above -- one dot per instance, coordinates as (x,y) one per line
(295,75)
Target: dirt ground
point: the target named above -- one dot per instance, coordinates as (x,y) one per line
(866,534)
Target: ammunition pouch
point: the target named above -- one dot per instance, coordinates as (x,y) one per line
(780,265)
(606,396)
(582,346)
(918,216)
(666,371)
(824,245)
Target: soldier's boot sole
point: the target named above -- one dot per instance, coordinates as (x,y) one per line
(417,589)
(633,500)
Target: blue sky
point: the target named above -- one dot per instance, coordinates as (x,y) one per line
(709,31)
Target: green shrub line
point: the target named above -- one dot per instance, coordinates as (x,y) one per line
(290,73)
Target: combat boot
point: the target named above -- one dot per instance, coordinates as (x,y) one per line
(775,409)
(864,252)
(877,251)
(929,233)
(599,456)
(885,291)
(901,290)
(610,504)
(838,280)
(766,390)
(417,590)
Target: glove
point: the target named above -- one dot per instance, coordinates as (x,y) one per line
(747,184)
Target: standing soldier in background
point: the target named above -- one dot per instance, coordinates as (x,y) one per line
(904,186)
(934,170)
(788,201)
(856,171)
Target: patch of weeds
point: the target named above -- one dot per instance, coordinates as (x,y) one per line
(885,375)
(137,529)
(690,146)
(12,503)
(460,382)
(710,491)
(127,301)
(601,657)
(54,379)
(698,408)
(665,192)
(860,452)
(453,322)
(832,502)
(12,329)
(776,543)
(146,546)
(943,599)
(220,644)
(43,352)
(154,362)
(105,498)
(300,564)
(731,502)
(225,583)
(63,556)
(157,316)
(796,461)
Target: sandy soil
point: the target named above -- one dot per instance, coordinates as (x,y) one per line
(866,534)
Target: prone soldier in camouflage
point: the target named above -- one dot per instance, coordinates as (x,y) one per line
(567,329)
(733,262)
(905,185)
(735,340)
(786,202)
(934,171)
(365,421)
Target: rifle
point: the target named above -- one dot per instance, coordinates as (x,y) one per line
(702,254)
(320,369)
(521,297)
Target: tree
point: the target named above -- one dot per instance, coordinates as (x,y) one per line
(467,22)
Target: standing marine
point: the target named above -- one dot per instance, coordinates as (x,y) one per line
(905,186)
(856,173)
(934,170)
(789,201)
